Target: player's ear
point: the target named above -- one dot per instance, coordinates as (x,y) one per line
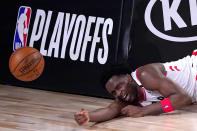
(129,77)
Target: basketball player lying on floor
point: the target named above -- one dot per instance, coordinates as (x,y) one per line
(152,89)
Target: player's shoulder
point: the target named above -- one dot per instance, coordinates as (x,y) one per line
(152,70)
(150,75)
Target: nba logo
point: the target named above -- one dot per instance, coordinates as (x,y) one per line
(22,26)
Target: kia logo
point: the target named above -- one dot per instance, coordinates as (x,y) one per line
(170,13)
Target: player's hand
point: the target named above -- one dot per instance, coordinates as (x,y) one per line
(132,111)
(82,117)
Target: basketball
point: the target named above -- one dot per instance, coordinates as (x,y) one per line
(26,64)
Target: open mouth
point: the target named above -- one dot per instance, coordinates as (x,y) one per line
(125,97)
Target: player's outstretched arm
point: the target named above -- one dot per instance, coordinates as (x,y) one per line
(99,115)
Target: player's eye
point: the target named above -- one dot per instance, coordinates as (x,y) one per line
(113,93)
(118,86)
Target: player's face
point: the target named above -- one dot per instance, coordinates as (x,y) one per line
(122,87)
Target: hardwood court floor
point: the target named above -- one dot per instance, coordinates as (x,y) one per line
(24,109)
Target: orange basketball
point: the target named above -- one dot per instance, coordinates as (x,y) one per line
(26,64)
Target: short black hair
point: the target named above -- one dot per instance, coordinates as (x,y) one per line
(114,70)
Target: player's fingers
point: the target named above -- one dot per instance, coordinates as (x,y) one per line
(126,107)
(76,115)
(82,121)
(77,120)
(85,121)
(83,116)
(79,116)
(84,111)
(123,111)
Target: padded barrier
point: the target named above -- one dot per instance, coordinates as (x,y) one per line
(79,40)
